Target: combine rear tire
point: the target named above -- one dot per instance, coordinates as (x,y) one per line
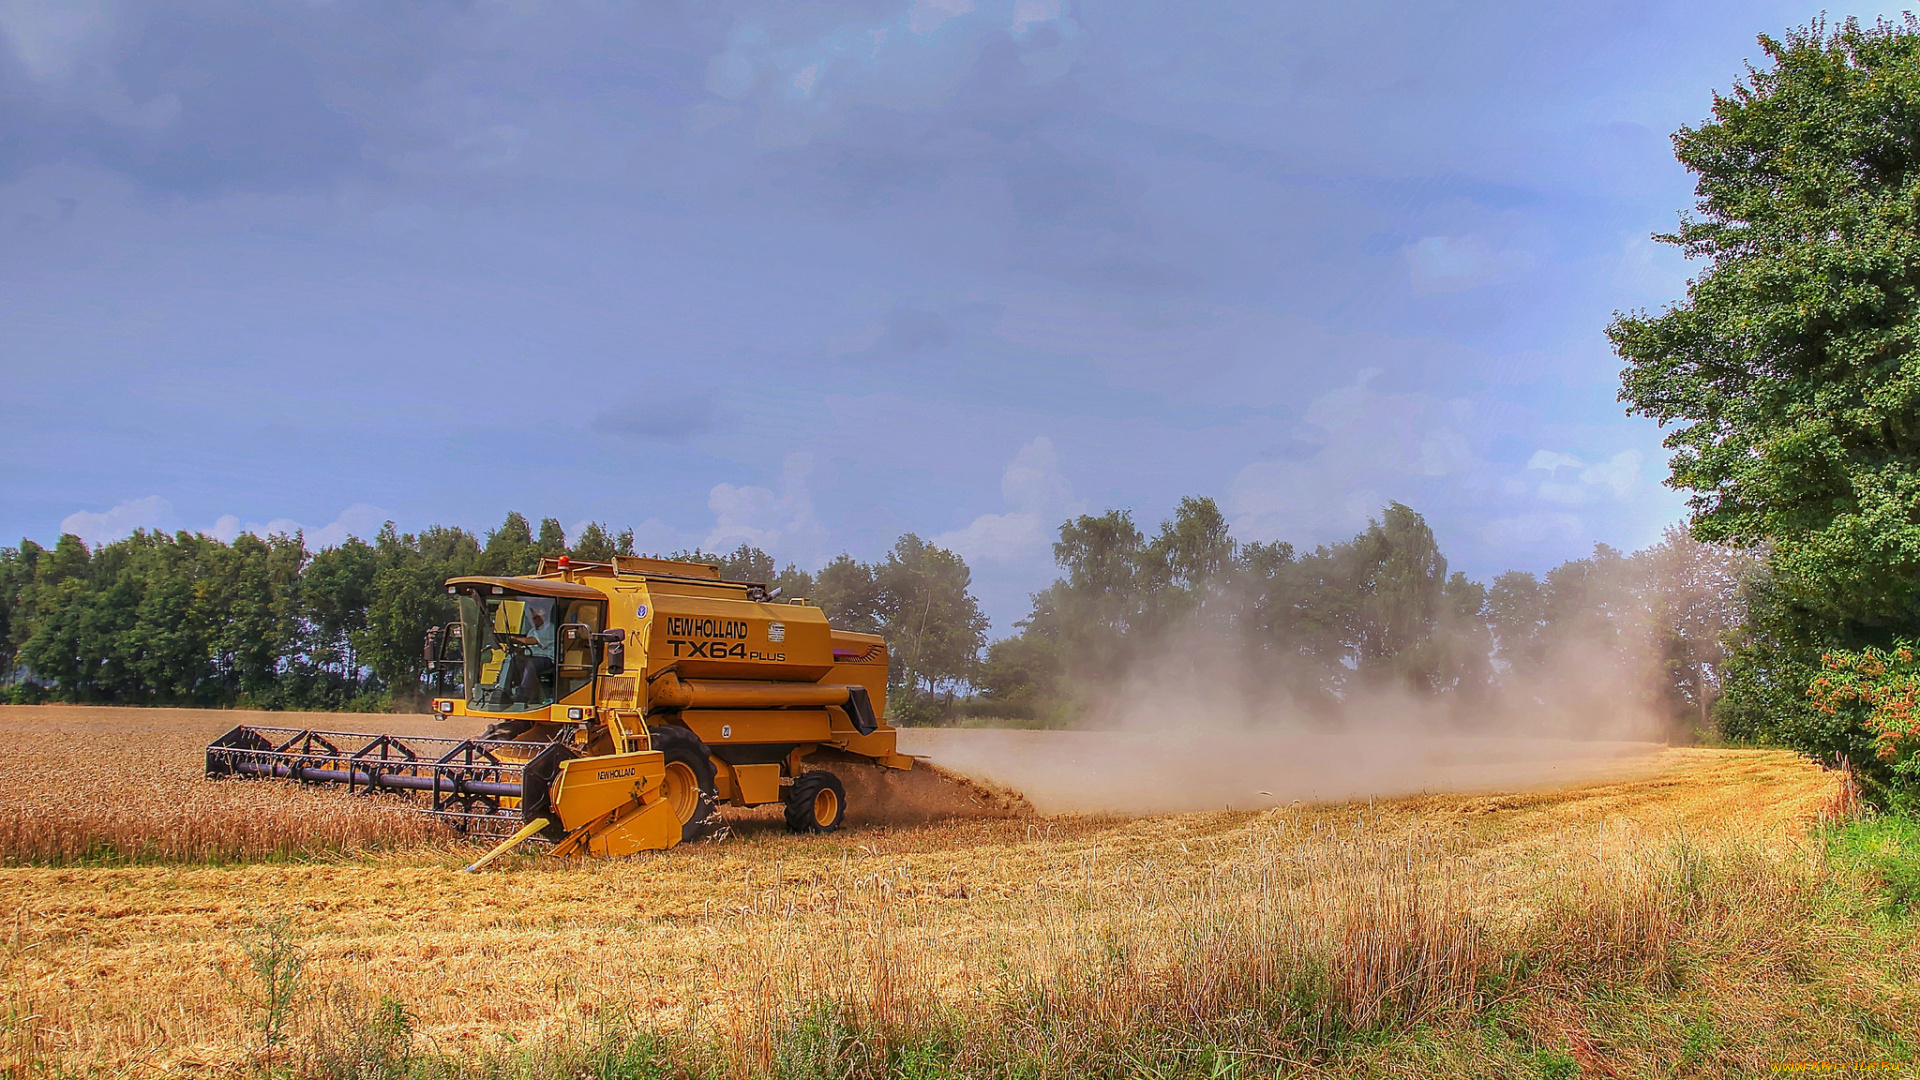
(689,782)
(816,803)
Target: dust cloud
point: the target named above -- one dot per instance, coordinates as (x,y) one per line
(1194,733)
(926,793)
(1160,772)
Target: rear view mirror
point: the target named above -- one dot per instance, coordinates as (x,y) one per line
(613,650)
(430,652)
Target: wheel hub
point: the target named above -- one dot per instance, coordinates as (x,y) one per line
(682,790)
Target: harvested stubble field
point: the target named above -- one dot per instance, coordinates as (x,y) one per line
(1679,921)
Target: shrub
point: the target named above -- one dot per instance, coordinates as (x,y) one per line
(1877,691)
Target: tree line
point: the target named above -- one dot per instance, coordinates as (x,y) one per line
(186,619)
(1314,632)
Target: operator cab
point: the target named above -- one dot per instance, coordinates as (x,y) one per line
(526,645)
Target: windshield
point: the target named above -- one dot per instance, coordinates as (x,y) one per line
(526,652)
(509,655)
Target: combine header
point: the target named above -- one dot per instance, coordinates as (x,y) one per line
(731,696)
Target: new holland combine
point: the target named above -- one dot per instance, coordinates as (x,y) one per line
(625,701)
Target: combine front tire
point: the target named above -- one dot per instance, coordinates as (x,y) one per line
(689,781)
(816,803)
(536,789)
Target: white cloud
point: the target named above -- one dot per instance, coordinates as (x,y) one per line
(1033,481)
(1527,529)
(1038,498)
(227,528)
(48,35)
(1549,460)
(62,45)
(1554,491)
(1363,447)
(1651,269)
(361,520)
(804,75)
(742,513)
(1441,264)
(779,524)
(1617,475)
(656,536)
(152,512)
(1618,472)
(1443,452)
(929,15)
(1026,13)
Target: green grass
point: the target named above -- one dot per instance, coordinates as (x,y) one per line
(1887,851)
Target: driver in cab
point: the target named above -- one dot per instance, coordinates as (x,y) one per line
(539,660)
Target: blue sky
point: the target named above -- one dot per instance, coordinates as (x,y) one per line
(811,276)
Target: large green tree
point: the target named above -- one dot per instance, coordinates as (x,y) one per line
(1376,611)
(510,548)
(336,590)
(16,574)
(749,563)
(920,599)
(180,619)
(847,591)
(409,595)
(596,544)
(1790,371)
(934,627)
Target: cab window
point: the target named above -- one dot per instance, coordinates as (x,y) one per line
(581,619)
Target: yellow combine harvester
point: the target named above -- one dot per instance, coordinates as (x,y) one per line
(627,700)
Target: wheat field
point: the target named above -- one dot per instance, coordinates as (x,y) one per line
(139,895)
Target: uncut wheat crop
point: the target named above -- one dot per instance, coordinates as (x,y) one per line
(88,793)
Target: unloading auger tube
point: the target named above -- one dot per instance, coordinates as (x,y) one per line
(624,700)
